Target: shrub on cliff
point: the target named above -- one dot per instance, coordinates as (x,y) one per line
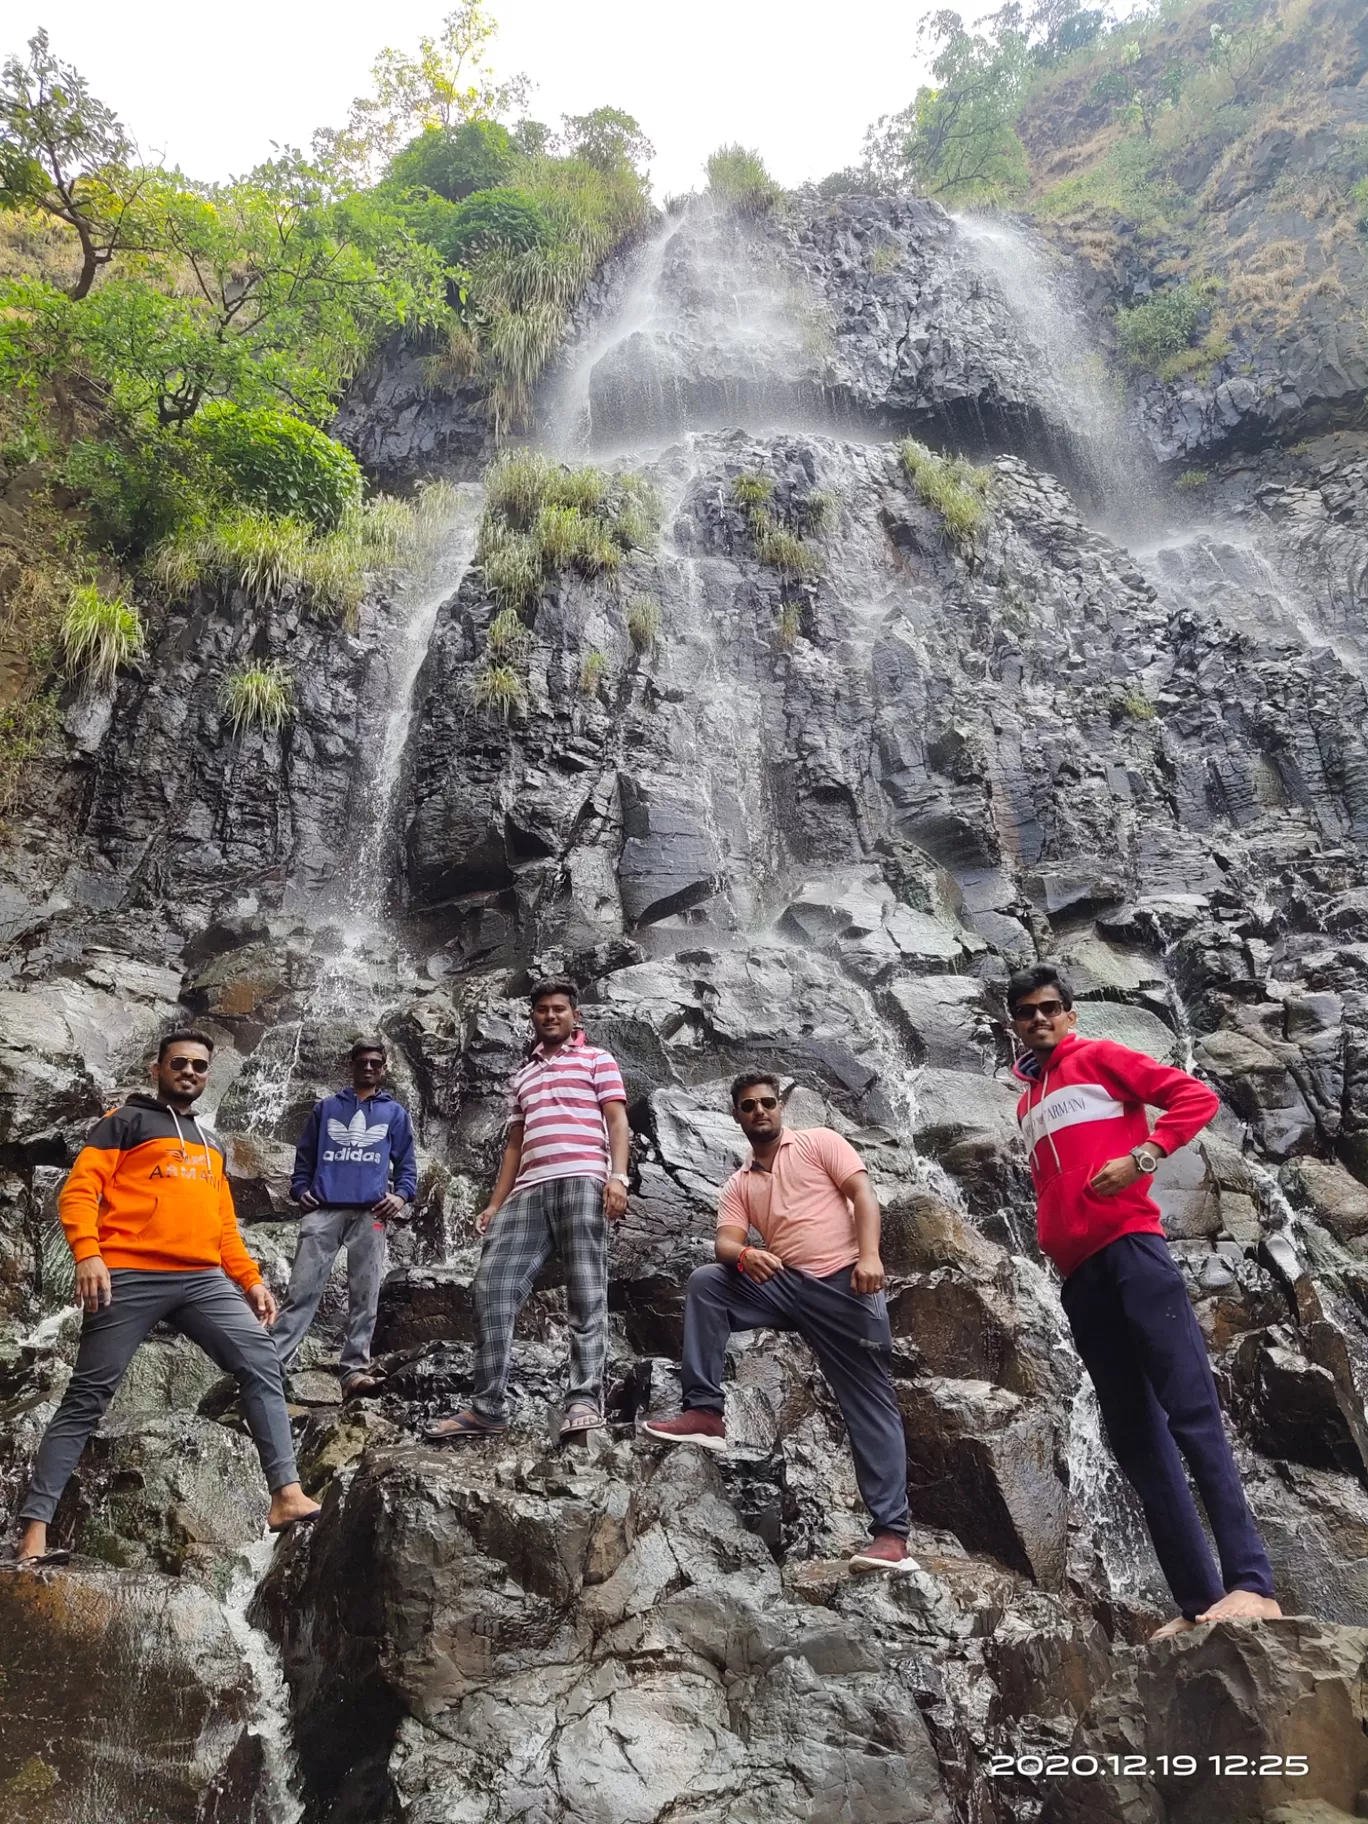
(274,461)
(1150,334)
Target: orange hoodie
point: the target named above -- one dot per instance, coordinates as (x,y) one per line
(149,1190)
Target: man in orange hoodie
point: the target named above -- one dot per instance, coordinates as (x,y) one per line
(149,1218)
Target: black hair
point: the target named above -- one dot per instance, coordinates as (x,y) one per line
(367,1044)
(553,984)
(184,1035)
(748,1080)
(1026,981)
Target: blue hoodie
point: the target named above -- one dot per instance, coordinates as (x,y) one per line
(348,1146)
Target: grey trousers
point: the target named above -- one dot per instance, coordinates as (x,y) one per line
(848,1333)
(564,1217)
(322,1232)
(204,1305)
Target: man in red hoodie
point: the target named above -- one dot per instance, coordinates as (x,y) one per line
(1084,1115)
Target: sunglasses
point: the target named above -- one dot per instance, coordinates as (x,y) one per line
(751,1103)
(1050,1009)
(200,1066)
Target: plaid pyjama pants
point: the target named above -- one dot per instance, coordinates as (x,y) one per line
(563,1216)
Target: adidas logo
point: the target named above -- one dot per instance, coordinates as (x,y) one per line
(353,1137)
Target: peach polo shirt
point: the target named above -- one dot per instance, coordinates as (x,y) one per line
(797,1206)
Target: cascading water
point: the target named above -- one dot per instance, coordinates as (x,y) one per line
(355,909)
(704,282)
(1089,399)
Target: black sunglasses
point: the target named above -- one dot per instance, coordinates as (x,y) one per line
(200,1066)
(751,1103)
(1050,1009)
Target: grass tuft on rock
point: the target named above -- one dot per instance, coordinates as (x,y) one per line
(100,634)
(263,554)
(498,688)
(782,548)
(643,622)
(954,488)
(259,696)
(737,178)
(592,673)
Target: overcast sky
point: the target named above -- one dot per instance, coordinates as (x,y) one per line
(210,87)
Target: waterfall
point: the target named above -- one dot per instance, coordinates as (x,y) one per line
(356,908)
(269,1716)
(1034,287)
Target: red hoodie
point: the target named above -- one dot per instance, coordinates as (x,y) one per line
(1084,1106)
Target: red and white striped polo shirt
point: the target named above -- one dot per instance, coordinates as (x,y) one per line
(560,1101)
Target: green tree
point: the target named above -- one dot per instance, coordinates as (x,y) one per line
(261,291)
(609,140)
(958,140)
(64,152)
(446,83)
(454,165)
(1140,89)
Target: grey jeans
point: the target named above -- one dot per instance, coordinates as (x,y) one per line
(322,1232)
(207,1307)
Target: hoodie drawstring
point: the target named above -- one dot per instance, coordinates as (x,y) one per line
(1045,1121)
(180,1133)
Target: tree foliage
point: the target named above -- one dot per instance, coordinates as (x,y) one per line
(958,139)
(65,153)
(446,83)
(456,163)
(609,140)
(261,291)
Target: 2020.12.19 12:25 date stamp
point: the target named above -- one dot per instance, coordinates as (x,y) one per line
(1030,1766)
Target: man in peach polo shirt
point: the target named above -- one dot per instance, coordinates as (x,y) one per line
(807,1195)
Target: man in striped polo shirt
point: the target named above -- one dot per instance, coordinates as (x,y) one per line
(562,1180)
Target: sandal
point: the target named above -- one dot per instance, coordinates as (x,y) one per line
(37,1561)
(356,1386)
(580,1416)
(288,1526)
(467,1424)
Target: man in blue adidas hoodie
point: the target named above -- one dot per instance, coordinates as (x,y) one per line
(352,1146)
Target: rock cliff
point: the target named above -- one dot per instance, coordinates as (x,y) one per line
(811,819)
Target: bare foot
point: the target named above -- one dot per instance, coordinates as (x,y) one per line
(1241,1605)
(290,1505)
(33,1540)
(1179,1625)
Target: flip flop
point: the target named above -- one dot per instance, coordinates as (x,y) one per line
(288,1526)
(462,1425)
(357,1385)
(580,1417)
(37,1561)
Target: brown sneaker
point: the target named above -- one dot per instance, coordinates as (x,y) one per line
(698,1427)
(885,1552)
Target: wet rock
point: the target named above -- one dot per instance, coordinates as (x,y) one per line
(166,1493)
(1236,1693)
(679,1669)
(1330,1194)
(981,1463)
(147,1715)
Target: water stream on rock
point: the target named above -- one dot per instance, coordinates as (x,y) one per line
(269,1717)
(355,910)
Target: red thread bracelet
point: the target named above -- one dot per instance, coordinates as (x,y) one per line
(741,1257)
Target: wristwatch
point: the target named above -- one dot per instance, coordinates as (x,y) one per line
(1147,1162)
(622,1179)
